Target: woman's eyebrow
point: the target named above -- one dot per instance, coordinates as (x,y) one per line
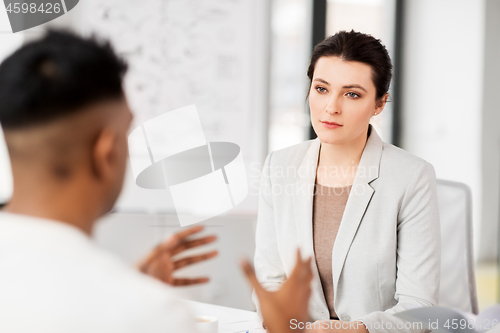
(350,86)
(321,80)
(354,86)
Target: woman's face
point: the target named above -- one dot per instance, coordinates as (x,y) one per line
(342,100)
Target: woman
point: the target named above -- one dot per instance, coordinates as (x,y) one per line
(366,211)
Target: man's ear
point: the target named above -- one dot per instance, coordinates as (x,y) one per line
(381,103)
(104,156)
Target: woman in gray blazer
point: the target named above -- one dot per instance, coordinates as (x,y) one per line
(376,245)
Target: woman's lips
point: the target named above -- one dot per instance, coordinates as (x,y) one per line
(330,125)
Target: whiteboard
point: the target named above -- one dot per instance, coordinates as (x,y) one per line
(211,53)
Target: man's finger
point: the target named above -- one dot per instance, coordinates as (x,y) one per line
(299,257)
(153,270)
(166,245)
(189,282)
(145,263)
(194,259)
(183,246)
(181,235)
(309,269)
(306,270)
(175,245)
(299,266)
(250,275)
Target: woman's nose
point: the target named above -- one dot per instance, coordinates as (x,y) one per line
(333,106)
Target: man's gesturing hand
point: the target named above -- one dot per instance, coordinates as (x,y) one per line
(289,302)
(160,262)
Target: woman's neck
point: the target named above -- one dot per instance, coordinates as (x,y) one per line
(346,153)
(338,163)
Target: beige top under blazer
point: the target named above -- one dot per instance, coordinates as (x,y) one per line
(386,256)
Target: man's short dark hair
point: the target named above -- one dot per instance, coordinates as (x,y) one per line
(56,76)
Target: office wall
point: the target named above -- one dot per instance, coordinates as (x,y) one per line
(8,43)
(443,89)
(490,135)
(5,172)
(212,54)
(290,52)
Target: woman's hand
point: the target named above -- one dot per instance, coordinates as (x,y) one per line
(288,303)
(160,262)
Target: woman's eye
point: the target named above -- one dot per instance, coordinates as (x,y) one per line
(352,95)
(321,89)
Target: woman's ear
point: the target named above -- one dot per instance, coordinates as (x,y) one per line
(381,104)
(104,155)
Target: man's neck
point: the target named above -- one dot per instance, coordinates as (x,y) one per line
(59,208)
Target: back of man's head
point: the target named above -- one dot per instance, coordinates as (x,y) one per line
(65,120)
(56,76)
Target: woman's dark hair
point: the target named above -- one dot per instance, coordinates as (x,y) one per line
(357,46)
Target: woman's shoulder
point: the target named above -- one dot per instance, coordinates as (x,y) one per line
(395,158)
(292,155)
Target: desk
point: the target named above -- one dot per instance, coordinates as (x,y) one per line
(230,320)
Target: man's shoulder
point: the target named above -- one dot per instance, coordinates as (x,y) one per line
(139,298)
(134,294)
(61,271)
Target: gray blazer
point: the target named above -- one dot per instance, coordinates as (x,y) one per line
(386,256)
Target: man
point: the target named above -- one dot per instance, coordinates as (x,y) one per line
(65,121)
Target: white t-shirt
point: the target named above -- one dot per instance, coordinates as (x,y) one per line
(53,278)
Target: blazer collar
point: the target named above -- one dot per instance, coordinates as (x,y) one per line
(368,165)
(368,169)
(361,193)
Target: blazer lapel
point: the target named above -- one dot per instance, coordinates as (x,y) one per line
(303,197)
(359,198)
(303,208)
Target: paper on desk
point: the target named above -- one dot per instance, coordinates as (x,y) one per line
(253,330)
(443,319)
(252,326)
